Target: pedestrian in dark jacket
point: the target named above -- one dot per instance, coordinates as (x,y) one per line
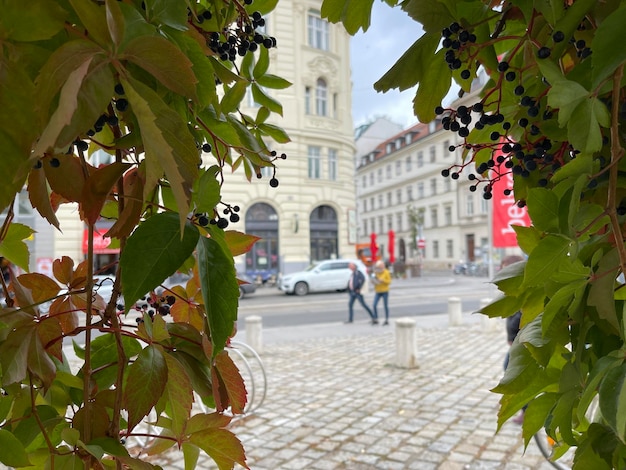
(355,284)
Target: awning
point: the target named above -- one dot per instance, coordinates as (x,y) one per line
(100,243)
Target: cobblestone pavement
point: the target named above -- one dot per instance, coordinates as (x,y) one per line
(340,403)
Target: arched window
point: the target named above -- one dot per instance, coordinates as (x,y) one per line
(321,97)
(324,231)
(263,259)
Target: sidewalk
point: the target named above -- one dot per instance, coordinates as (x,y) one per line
(337,402)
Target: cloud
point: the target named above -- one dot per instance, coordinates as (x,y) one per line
(372,54)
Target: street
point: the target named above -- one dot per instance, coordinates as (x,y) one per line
(407,298)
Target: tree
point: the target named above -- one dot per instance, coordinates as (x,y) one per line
(157,85)
(552,114)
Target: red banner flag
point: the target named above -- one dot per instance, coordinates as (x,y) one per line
(505,212)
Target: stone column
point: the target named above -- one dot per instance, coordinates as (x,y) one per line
(406,344)
(254,333)
(454,311)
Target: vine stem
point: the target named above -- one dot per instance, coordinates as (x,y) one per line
(87,367)
(617,152)
(114,427)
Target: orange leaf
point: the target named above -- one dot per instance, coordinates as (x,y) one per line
(97,188)
(185,310)
(39,195)
(41,286)
(79,279)
(63,310)
(63,269)
(239,243)
(133,205)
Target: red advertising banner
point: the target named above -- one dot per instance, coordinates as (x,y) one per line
(506,213)
(100,243)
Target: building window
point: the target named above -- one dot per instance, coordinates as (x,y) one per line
(446,145)
(433,186)
(469,204)
(381,228)
(409,163)
(372,203)
(335,105)
(398,168)
(447,185)
(447,215)
(380,202)
(399,196)
(433,154)
(435,249)
(407,138)
(380,175)
(433,217)
(307,100)
(372,178)
(364,181)
(318,31)
(365,232)
(420,159)
(332,164)
(364,205)
(389,203)
(389,222)
(314,162)
(409,193)
(321,97)
(388,170)
(399,220)
(420,190)
(449,249)
(484,205)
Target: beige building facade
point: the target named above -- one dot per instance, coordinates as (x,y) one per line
(311,215)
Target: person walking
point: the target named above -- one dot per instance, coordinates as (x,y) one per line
(381,279)
(355,284)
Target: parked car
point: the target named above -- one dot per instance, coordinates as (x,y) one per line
(248,288)
(325,276)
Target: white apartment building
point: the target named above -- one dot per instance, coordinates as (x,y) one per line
(311,215)
(402,176)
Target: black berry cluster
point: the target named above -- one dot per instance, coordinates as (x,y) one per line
(237,39)
(457,41)
(154,305)
(231,215)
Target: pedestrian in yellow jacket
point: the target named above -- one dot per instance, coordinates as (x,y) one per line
(381,279)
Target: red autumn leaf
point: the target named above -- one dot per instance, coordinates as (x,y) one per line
(51,336)
(66,175)
(231,389)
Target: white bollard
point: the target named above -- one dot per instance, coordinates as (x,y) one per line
(406,344)
(489,324)
(254,333)
(454,311)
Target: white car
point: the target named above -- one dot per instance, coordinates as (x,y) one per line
(325,276)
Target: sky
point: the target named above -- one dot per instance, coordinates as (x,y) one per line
(373,53)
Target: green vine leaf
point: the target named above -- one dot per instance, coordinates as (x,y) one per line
(178,395)
(147,378)
(608,46)
(153,252)
(168,144)
(14,353)
(354,14)
(14,248)
(220,290)
(13,453)
(613,400)
(545,259)
(222,446)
